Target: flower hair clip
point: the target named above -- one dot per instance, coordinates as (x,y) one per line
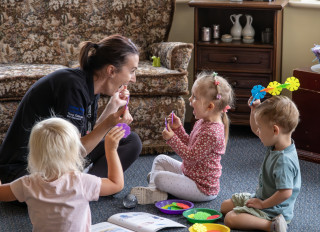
(214,74)
(218,96)
(225,110)
(216,82)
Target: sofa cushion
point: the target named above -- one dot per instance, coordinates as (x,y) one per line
(159,81)
(16,79)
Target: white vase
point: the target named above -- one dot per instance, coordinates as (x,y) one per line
(236,28)
(248,30)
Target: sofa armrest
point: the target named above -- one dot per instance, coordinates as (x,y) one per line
(173,55)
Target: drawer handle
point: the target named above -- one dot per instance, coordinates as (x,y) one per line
(234,84)
(234,59)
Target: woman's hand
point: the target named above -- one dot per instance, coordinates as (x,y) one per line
(174,121)
(120,98)
(167,133)
(113,137)
(121,116)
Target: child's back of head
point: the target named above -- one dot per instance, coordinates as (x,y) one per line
(216,89)
(55,148)
(279,110)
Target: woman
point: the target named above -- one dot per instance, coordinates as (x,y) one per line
(105,68)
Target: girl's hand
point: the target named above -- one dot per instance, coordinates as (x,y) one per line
(254,203)
(167,134)
(176,121)
(113,137)
(255,103)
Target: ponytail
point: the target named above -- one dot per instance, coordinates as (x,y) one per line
(85,58)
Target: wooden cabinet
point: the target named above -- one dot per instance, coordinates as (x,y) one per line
(307,98)
(244,65)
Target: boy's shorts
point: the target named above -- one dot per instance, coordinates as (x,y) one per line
(240,200)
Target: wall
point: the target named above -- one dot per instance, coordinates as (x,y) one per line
(182,31)
(300,33)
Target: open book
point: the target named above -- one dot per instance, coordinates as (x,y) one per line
(134,222)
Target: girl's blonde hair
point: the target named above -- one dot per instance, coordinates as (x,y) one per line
(216,89)
(55,148)
(279,110)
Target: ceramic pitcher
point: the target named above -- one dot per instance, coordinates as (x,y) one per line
(236,28)
(248,29)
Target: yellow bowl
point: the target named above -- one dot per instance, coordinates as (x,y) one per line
(211,226)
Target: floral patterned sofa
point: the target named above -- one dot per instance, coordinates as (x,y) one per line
(38,37)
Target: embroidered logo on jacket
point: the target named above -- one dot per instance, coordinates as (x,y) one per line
(75,113)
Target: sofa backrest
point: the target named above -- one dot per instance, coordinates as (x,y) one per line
(49,31)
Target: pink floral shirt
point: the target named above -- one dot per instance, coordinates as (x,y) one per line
(201,154)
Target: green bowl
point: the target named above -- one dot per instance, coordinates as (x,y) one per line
(195,210)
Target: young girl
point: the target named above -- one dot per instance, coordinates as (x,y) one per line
(196,178)
(56,191)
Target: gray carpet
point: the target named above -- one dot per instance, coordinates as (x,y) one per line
(240,164)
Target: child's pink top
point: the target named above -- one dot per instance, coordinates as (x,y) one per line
(201,154)
(60,205)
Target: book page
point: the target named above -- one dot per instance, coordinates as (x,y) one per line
(108,227)
(142,222)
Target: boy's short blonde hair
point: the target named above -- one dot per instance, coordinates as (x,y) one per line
(55,148)
(279,110)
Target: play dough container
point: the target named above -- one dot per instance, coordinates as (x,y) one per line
(191,215)
(212,227)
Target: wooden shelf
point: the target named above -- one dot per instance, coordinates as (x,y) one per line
(243,64)
(219,43)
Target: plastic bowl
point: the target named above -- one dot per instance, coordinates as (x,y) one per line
(211,226)
(195,210)
(160,204)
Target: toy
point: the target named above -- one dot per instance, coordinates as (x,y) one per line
(199,228)
(127,102)
(165,122)
(181,205)
(172,113)
(130,201)
(274,88)
(156,61)
(213,217)
(176,206)
(171,206)
(201,215)
(126,129)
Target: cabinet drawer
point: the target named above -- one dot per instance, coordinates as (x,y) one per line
(235,59)
(239,114)
(242,83)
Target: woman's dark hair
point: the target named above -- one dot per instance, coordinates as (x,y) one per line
(112,50)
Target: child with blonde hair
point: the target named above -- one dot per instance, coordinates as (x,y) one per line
(56,192)
(271,207)
(196,178)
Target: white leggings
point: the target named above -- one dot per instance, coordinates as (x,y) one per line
(167,176)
